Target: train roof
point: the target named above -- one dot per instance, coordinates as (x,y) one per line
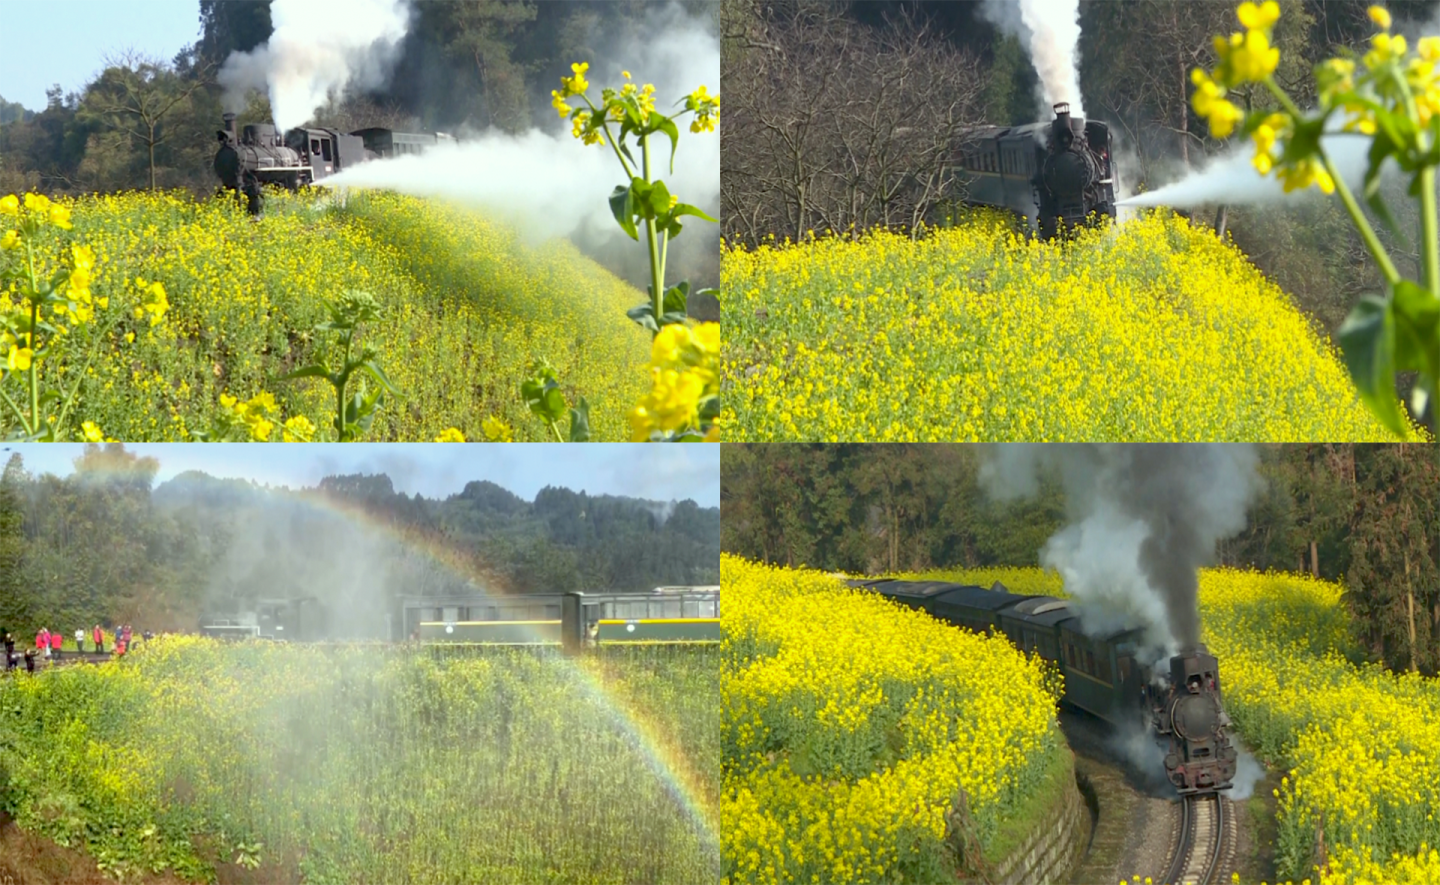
(980,598)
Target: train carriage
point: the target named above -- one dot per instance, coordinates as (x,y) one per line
(1102,673)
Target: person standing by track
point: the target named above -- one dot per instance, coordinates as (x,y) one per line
(9,650)
(42,643)
(99,636)
(57,640)
(80,640)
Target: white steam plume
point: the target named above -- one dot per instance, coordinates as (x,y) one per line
(551,184)
(1142,519)
(316,50)
(1232,179)
(1050,32)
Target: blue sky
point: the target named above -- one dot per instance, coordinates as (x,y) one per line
(66,41)
(659,472)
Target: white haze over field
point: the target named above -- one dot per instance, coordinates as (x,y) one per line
(1050,31)
(552,184)
(317,50)
(1231,178)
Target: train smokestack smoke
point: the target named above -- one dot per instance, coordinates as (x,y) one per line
(1142,520)
(316,51)
(1050,31)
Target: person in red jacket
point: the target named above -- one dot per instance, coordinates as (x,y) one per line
(56,642)
(42,642)
(99,636)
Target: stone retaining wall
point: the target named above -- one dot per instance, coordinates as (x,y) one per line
(1051,850)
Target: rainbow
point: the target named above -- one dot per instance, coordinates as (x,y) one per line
(682,781)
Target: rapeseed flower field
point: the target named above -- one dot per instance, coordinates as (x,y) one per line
(368,763)
(1361,745)
(467,307)
(860,738)
(1150,331)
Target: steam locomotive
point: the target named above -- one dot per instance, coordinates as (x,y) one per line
(259,156)
(1051,173)
(1104,675)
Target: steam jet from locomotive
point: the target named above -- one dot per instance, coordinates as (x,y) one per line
(258,156)
(1050,173)
(1104,675)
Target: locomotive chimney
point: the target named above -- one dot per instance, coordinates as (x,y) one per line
(1061,134)
(229,124)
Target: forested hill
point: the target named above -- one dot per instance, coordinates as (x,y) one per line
(107,544)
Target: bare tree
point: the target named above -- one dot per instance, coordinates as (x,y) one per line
(135,94)
(832,125)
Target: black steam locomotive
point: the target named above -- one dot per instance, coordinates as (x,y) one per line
(1047,172)
(1104,675)
(259,156)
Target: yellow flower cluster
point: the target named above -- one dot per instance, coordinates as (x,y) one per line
(684,369)
(572,85)
(450,435)
(706,108)
(851,725)
(459,768)
(1244,58)
(496,430)
(1152,331)
(467,301)
(254,413)
(1361,745)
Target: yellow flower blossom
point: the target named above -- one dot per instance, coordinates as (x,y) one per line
(1380,16)
(10,205)
(298,428)
(1259,17)
(92,432)
(450,435)
(496,430)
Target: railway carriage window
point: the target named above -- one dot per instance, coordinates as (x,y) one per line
(671,608)
(1104,672)
(1124,669)
(1070,654)
(490,613)
(1089,661)
(325,150)
(451,613)
(708,608)
(691,609)
(552,612)
(314,145)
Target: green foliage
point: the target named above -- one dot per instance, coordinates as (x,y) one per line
(374,764)
(353,415)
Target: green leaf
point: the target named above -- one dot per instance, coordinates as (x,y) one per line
(673,318)
(659,198)
(644,315)
(1417,328)
(676,297)
(379,375)
(623,210)
(1367,342)
(580,422)
(543,396)
(687,209)
(667,126)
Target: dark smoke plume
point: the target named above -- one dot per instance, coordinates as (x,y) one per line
(1142,520)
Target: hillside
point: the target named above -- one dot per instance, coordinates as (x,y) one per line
(1152,331)
(466,307)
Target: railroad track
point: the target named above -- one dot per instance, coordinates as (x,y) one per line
(1204,843)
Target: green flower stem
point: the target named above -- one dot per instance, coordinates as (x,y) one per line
(1362,224)
(657,272)
(75,388)
(555,429)
(34,368)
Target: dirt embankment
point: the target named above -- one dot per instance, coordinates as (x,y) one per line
(28,859)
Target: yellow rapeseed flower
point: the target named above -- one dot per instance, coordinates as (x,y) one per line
(298,428)
(92,433)
(1380,16)
(1261,17)
(450,435)
(10,205)
(496,430)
